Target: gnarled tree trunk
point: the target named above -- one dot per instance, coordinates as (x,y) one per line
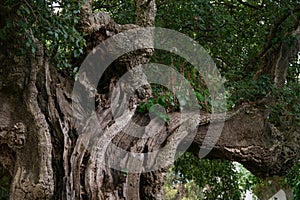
(49,155)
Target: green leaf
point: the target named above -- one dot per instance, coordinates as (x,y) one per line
(50,32)
(26,10)
(33,50)
(75,70)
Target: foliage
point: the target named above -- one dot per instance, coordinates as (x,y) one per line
(52,23)
(209,179)
(5,180)
(186,191)
(265,188)
(250,90)
(293,178)
(123,11)
(168,101)
(190,74)
(246,179)
(286,109)
(152,106)
(190,176)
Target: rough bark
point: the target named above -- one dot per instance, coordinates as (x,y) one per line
(48,159)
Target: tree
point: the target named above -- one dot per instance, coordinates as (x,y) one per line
(42,148)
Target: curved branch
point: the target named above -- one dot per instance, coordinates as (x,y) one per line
(248,138)
(274,58)
(289,49)
(275,29)
(145,12)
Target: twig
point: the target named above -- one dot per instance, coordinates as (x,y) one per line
(36,18)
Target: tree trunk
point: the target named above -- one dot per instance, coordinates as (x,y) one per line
(55,151)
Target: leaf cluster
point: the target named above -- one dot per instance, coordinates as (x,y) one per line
(213,179)
(122,11)
(5,180)
(285,112)
(249,90)
(293,178)
(51,23)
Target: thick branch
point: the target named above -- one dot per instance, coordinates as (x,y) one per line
(145,12)
(276,61)
(275,29)
(288,51)
(248,137)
